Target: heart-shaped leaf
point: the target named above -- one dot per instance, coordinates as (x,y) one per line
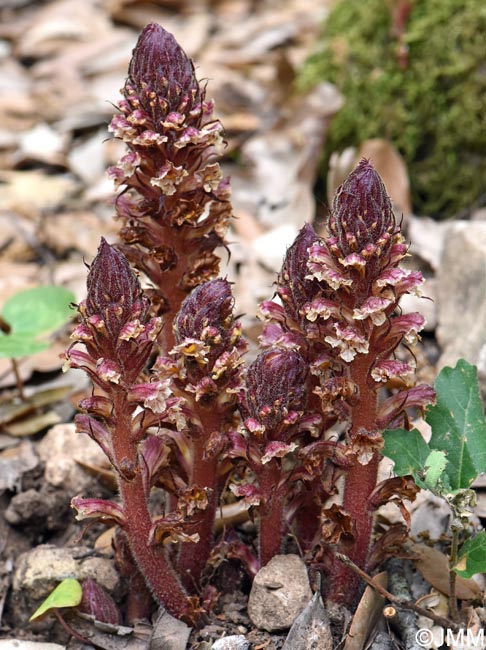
(68,593)
(38,310)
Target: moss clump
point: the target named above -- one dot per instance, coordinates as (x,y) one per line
(432,110)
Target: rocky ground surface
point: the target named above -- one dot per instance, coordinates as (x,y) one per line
(62,63)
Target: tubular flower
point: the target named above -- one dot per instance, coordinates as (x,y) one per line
(176,204)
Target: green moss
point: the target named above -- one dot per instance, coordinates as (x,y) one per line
(433,111)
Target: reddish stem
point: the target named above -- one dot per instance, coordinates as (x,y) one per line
(360,483)
(205,474)
(193,557)
(271,523)
(150,558)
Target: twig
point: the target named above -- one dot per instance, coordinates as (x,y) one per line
(73,632)
(18,380)
(444,621)
(405,621)
(453,611)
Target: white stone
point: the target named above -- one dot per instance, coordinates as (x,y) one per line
(461,295)
(60,448)
(279,593)
(232,642)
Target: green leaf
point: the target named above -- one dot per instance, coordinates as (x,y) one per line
(472,556)
(13,346)
(458,424)
(409,451)
(38,310)
(434,468)
(68,593)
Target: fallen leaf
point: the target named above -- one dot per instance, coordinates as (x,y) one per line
(434,567)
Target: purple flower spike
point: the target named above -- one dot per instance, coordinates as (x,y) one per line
(362,220)
(161,73)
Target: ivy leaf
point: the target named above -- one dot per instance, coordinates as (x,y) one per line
(456,452)
(458,424)
(472,556)
(13,346)
(409,451)
(68,593)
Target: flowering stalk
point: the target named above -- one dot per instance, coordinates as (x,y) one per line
(118,337)
(175,205)
(203,372)
(340,309)
(272,407)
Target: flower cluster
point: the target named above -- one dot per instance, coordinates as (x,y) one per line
(340,308)
(118,337)
(175,206)
(311,407)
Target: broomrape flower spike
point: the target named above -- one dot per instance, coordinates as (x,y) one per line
(340,309)
(193,422)
(357,267)
(119,336)
(175,204)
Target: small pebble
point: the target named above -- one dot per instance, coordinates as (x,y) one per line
(233,642)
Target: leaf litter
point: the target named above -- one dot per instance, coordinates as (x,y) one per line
(63,62)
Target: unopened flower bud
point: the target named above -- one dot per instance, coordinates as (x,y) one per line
(161,74)
(362,223)
(276,386)
(98,603)
(114,291)
(206,312)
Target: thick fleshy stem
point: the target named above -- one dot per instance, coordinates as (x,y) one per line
(205,372)
(151,558)
(119,338)
(360,482)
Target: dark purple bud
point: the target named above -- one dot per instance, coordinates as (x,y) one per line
(114,292)
(160,70)
(362,220)
(206,313)
(294,288)
(110,282)
(276,387)
(98,603)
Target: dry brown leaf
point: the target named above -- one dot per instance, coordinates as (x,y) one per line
(366,615)
(31,425)
(104,474)
(29,192)
(59,24)
(103,544)
(434,568)
(75,230)
(45,361)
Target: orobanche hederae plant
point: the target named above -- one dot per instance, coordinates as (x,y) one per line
(175,406)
